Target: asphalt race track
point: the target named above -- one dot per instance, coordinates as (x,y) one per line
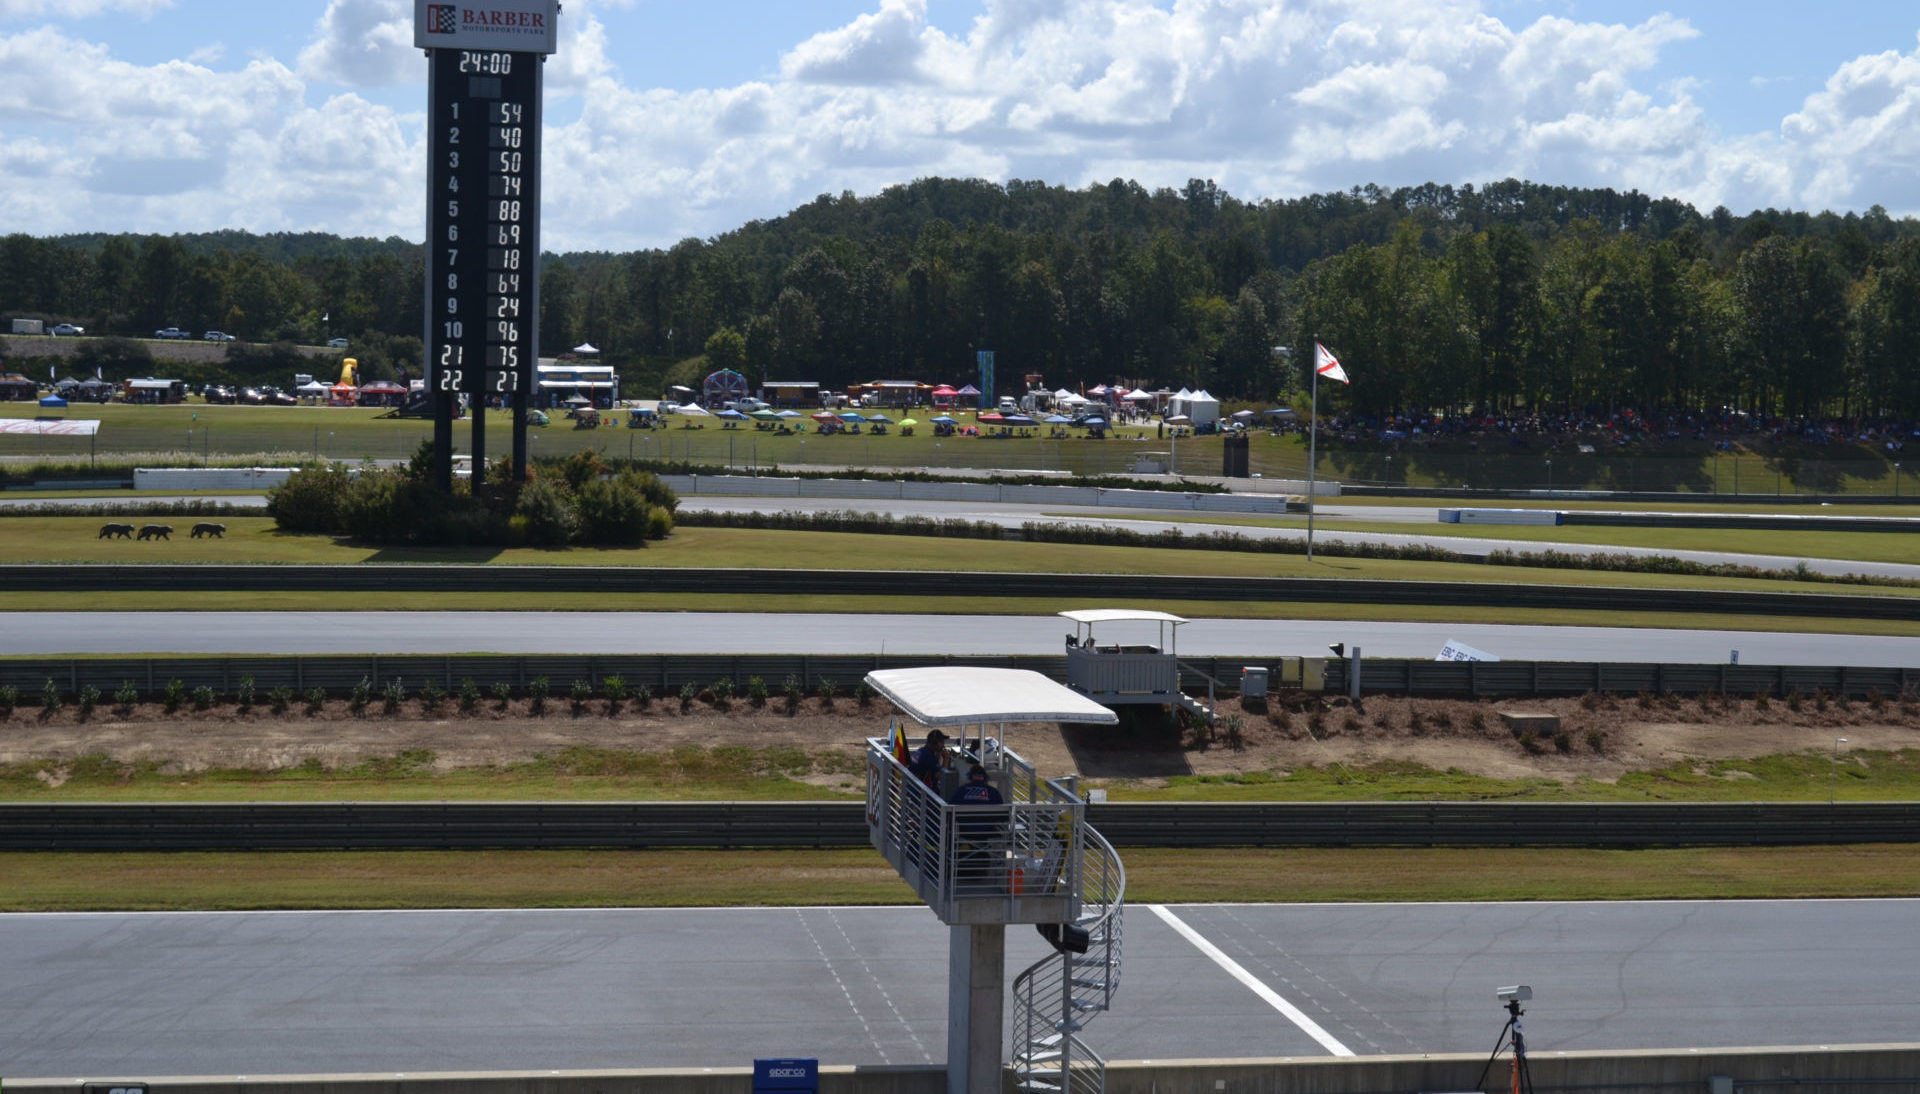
(141,995)
(51,633)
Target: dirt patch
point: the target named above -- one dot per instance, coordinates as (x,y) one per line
(1600,738)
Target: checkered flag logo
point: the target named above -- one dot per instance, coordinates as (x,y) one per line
(442,18)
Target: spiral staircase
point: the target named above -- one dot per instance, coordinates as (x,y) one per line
(1054,997)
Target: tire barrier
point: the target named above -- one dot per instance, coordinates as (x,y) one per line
(734,825)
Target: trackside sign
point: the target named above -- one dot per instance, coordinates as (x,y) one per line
(520,26)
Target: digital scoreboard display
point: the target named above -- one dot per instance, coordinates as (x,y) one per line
(483,222)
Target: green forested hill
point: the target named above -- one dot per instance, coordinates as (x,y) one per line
(1513,295)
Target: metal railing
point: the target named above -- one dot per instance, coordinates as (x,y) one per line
(1054,997)
(1012,863)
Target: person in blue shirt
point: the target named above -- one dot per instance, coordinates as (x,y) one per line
(979,831)
(930,759)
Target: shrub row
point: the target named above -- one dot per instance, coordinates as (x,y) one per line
(574,500)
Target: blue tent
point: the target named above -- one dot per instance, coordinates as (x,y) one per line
(53,400)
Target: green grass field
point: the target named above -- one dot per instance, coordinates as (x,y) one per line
(352,433)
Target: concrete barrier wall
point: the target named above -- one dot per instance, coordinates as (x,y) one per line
(1809,1070)
(209,478)
(1501,516)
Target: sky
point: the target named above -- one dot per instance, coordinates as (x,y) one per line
(669,119)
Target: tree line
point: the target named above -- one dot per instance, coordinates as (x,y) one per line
(1512,297)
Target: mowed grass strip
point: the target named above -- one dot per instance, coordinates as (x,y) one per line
(194,881)
(254,540)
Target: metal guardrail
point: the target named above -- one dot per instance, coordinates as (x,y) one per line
(187,579)
(665,673)
(629,825)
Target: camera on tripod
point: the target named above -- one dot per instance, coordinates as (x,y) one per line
(1518,993)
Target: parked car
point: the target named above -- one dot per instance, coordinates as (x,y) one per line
(336,343)
(276,397)
(250,396)
(68,330)
(217,336)
(171,332)
(220,393)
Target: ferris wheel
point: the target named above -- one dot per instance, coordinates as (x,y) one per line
(724,386)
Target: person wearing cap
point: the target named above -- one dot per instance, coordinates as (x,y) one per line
(979,830)
(930,760)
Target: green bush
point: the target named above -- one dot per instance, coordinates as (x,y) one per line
(863,693)
(723,688)
(659,523)
(243,695)
(578,695)
(88,697)
(756,691)
(126,696)
(431,696)
(469,694)
(542,517)
(310,500)
(642,696)
(175,694)
(393,694)
(689,691)
(502,693)
(613,512)
(361,695)
(50,698)
(796,692)
(203,698)
(827,690)
(615,688)
(279,699)
(9,698)
(537,694)
(316,698)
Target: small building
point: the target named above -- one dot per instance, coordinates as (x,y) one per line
(1128,673)
(899,394)
(791,392)
(15,388)
(154,391)
(557,381)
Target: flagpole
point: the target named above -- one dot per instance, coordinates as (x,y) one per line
(1313,439)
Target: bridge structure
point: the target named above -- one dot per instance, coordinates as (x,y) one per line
(1032,859)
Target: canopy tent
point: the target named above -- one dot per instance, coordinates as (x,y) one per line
(693,410)
(586,347)
(785,414)
(881,418)
(1020,419)
(1138,395)
(314,388)
(968,390)
(909,421)
(944,419)
(764,415)
(731,415)
(579,400)
(852,416)
(1056,419)
(1063,394)
(944,389)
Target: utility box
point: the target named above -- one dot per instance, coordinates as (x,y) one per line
(1253,682)
(1235,462)
(29,326)
(1313,674)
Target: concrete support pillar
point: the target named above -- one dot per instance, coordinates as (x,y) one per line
(976,993)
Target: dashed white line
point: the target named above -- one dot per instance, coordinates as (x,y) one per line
(1253,983)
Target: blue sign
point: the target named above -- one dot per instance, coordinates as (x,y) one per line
(984,358)
(786,1074)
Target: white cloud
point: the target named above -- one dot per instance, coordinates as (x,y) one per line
(363,43)
(78,9)
(1270,98)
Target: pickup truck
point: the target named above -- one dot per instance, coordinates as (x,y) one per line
(172,332)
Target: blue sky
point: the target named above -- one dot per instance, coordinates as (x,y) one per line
(669,119)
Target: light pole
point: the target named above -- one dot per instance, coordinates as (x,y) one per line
(1549,474)
(1833,769)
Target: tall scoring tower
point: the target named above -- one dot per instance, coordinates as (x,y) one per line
(483,213)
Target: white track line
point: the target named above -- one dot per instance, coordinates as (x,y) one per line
(1234,969)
